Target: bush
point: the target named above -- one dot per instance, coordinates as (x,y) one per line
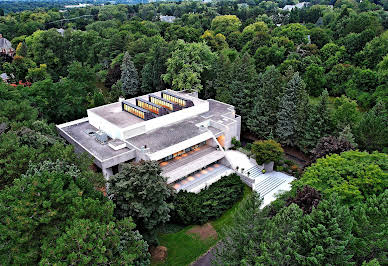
(267,151)
(210,203)
(236,143)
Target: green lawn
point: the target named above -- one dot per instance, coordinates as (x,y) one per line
(183,248)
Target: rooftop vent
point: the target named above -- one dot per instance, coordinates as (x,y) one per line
(101,137)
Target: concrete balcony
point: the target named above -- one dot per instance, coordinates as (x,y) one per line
(190,162)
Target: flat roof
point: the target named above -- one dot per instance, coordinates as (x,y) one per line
(78,133)
(114,114)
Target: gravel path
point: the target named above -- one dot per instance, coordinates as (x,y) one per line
(206,259)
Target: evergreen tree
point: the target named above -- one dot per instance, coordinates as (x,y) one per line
(223,78)
(372,132)
(318,123)
(243,85)
(247,225)
(347,135)
(151,74)
(371,229)
(129,77)
(262,119)
(289,106)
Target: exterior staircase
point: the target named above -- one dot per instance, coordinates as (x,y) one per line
(268,184)
(254,172)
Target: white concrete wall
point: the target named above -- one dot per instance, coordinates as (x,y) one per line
(180,146)
(145,126)
(102,124)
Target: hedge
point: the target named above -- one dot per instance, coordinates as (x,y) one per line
(210,203)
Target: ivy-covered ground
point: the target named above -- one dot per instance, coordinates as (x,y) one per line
(184,248)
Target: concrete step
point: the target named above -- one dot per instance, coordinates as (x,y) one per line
(267,185)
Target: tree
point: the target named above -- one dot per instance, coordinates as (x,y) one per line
(353,175)
(267,151)
(314,77)
(291,101)
(113,75)
(225,24)
(370,229)
(53,214)
(154,68)
(248,224)
(37,73)
(306,198)
(187,64)
(372,131)
(21,49)
(318,123)
(295,32)
(345,113)
(290,237)
(86,241)
(262,119)
(243,84)
(129,77)
(266,56)
(329,145)
(140,192)
(374,51)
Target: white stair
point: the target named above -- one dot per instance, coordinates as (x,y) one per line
(254,172)
(267,185)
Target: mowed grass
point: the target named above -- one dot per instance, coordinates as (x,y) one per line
(184,248)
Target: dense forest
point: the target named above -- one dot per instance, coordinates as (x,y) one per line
(314,79)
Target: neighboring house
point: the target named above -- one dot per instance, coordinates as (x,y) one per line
(6,47)
(298,5)
(188,136)
(169,19)
(61,31)
(4,77)
(78,6)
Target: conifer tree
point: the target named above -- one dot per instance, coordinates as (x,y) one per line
(223,78)
(318,123)
(262,119)
(372,132)
(287,125)
(243,84)
(347,134)
(129,77)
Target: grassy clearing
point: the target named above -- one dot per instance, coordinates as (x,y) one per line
(185,248)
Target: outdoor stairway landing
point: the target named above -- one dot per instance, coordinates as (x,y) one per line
(269,184)
(254,172)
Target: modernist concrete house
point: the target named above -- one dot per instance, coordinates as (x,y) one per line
(186,135)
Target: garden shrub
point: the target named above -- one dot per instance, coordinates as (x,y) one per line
(210,203)
(266,151)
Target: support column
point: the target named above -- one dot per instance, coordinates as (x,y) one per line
(107,172)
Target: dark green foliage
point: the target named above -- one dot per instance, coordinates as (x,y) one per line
(289,238)
(262,119)
(370,229)
(53,214)
(291,103)
(372,132)
(318,123)
(209,203)
(129,77)
(140,192)
(267,151)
